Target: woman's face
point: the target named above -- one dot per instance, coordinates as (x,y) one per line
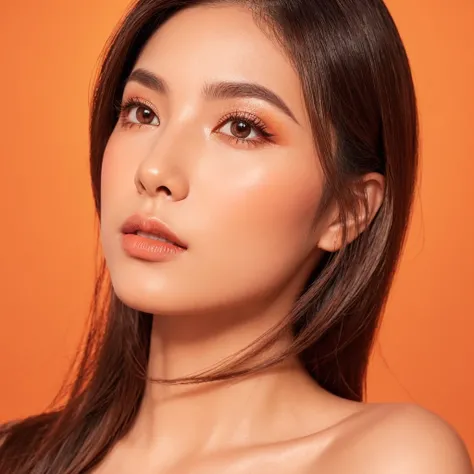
(220,150)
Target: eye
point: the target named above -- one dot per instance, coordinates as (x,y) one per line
(244,128)
(141,114)
(240,129)
(136,112)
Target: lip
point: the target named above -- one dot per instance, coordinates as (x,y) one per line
(151,225)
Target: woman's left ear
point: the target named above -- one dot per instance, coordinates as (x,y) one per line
(370,188)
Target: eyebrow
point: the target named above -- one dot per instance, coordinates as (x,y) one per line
(216,90)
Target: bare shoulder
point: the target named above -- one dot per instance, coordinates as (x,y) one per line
(401,437)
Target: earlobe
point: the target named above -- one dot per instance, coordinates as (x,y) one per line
(370,191)
(331,240)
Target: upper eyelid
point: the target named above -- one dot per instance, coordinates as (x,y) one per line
(244,115)
(135,102)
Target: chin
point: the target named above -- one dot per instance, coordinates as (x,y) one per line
(148,296)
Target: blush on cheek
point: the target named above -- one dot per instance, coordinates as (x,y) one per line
(284,204)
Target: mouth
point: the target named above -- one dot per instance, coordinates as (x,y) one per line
(153,229)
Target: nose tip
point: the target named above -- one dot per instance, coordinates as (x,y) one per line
(149,186)
(152,181)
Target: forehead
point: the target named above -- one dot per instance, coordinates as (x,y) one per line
(213,43)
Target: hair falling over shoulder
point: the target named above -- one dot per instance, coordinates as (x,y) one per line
(361,102)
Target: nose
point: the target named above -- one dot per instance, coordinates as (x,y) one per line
(158,174)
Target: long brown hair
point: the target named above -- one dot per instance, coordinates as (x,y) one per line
(360,98)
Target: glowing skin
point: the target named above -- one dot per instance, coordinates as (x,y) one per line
(247,210)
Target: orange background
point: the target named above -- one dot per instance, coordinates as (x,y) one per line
(48,55)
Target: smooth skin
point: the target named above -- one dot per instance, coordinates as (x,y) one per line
(245,204)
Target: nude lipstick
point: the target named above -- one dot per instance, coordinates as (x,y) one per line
(147,238)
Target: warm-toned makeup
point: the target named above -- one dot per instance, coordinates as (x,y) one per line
(218,147)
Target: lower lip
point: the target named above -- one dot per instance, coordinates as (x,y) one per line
(149,249)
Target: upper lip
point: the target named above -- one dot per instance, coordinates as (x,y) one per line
(151,225)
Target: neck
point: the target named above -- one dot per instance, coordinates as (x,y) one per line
(176,421)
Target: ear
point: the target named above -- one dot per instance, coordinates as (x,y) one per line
(370,188)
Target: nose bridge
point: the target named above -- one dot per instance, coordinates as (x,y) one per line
(166,167)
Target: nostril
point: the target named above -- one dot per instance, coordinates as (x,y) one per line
(165,189)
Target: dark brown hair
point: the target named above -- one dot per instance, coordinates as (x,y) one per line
(360,99)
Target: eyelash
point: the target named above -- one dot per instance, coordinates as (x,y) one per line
(255,122)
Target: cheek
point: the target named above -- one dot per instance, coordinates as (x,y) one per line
(119,168)
(117,185)
(276,202)
(113,172)
(260,219)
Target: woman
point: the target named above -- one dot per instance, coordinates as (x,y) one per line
(253,167)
